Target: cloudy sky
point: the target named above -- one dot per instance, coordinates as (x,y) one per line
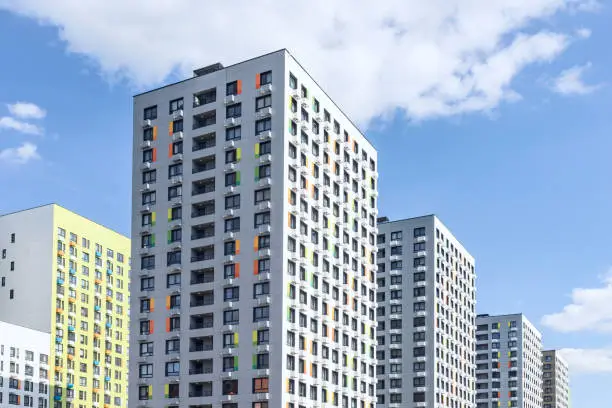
(494,114)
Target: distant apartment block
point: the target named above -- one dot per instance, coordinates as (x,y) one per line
(508,362)
(556,389)
(254,225)
(426,316)
(24,366)
(68,277)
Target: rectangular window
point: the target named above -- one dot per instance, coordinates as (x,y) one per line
(263,125)
(233,111)
(231,88)
(232,202)
(233,133)
(265,78)
(263,102)
(176,105)
(262,195)
(150,113)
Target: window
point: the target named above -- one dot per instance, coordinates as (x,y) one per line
(262,195)
(231,156)
(263,125)
(231,179)
(175,192)
(231,294)
(176,105)
(263,102)
(233,111)
(261,313)
(146,370)
(265,78)
(173,279)
(420,261)
(147,283)
(147,262)
(148,198)
(260,384)
(147,155)
(174,257)
(262,219)
(146,349)
(419,232)
(230,317)
(396,236)
(149,176)
(265,170)
(177,147)
(293,83)
(175,170)
(150,113)
(265,148)
(232,224)
(261,289)
(148,135)
(233,133)
(173,369)
(232,202)
(231,88)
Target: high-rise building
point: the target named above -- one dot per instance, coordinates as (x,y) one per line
(426,316)
(24,366)
(556,389)
(67,276)
(508,362)
(254,208)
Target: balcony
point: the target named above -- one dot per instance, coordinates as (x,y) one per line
(203,209)
(197,344)
(201,321)
(205,97)
(204,142)
(202,276)
(203,186)
(198,299)
(203,164)
(202,231)
(204,119)
(200,389)
(200,367)
(203,253)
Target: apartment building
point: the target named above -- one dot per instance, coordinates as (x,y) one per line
(24,366)
(254,208)
(426,316)
(556,389)
(66,276)
(508,362)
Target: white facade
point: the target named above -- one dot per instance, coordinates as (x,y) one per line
(426,320)
(254,206)
(556,387)
(24,366)
(508,362)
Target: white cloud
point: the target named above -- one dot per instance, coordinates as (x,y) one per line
(588,361)
(428,58)
(26,110)
(8,122)
(20,155)
(583,33)
(570,82)
(590,309)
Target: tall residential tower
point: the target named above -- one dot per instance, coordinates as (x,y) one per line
(426,319)
(508,362)
(67,276)
(254,205)
(556,389)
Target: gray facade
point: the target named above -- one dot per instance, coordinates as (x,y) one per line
(556,388)
(26,257)
(508,362)
(241,260)
(426,320)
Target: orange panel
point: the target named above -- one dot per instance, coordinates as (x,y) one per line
(151,326)
(239,87)
(155,154)
(167,324)
(255,267)
(257,81)
(154,132)
(169,149)
(237,270)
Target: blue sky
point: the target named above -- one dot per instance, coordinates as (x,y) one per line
(517,166)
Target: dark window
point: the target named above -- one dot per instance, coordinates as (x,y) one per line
(265,78)
(177,126)
(263,102)
(293,83)
(149,176)
(231,88)
(262,195)
(263,125)
(233,111)
(176,105)
(233,133)
(232,202)
(150,112)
